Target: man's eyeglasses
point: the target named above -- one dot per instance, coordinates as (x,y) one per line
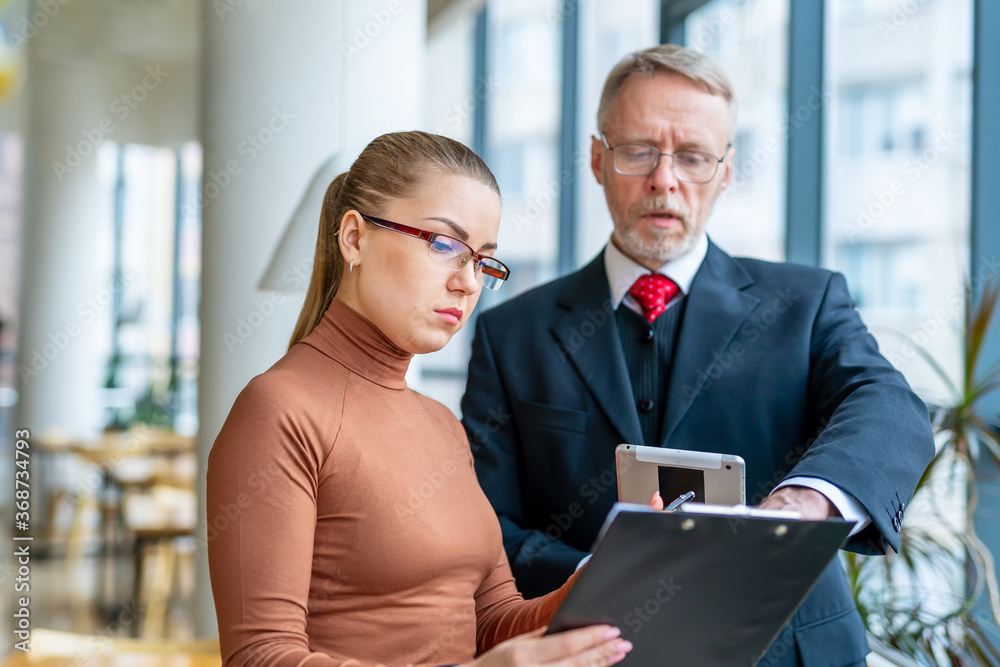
(641,160)
(452,253)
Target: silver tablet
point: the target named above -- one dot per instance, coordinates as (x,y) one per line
(719,479)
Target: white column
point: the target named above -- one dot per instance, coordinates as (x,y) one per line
(281,91)
(65,306)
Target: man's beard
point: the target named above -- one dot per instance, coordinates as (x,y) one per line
(656,243)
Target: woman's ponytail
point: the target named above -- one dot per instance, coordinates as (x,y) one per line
(328,264)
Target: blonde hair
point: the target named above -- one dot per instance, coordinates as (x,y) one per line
(669,59)
(392,166)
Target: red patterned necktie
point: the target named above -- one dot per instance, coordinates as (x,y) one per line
(653,291)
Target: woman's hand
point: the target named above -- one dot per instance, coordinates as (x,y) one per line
(594,646)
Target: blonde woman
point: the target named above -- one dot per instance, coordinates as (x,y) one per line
(362,537)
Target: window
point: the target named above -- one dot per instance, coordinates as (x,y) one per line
(748,40)
(508,165)
(897,173)
(150,330)
(522,91)
(452,90)
(608,31)
(881,118)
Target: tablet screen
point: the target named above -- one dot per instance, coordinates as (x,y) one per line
(675,482)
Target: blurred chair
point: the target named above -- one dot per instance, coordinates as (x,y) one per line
(146,492)
(160,512)
(80,597)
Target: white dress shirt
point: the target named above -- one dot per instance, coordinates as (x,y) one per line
(623,271)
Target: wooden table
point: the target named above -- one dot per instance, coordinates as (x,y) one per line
(120,660)
(106,452)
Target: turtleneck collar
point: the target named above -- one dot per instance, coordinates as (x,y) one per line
(351,340)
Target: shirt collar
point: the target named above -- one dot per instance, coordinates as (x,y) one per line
(623,271)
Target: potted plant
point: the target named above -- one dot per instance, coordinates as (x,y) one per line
(920,601)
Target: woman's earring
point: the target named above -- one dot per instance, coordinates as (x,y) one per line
(351,269)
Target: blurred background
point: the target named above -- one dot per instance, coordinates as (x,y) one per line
(157,221)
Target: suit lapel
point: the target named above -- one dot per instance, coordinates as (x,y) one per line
(588,337)
(715,309)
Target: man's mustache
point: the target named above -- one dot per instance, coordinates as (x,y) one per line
(662,204)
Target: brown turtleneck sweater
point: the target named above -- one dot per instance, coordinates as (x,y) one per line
(346,524)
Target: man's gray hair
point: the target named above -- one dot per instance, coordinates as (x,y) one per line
(669,59)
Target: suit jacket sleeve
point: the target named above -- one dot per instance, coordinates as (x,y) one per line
(536,559)
(877,438)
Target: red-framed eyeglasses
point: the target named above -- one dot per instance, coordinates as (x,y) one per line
(452,253)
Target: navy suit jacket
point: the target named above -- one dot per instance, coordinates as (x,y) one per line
(772,362)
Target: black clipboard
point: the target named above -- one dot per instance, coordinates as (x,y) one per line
(698,589)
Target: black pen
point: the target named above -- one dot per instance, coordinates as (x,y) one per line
(680,501)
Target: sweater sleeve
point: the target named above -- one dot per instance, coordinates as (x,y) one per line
(261,505)
(503,613)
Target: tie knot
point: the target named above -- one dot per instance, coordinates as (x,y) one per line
(653,291)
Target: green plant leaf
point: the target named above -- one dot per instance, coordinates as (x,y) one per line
(932,362)
(978,323)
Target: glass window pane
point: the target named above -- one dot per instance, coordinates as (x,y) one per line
(749,40)
(450,101)
(525,60)
(152,315)
(608,31)
(898,161)
(522,94)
